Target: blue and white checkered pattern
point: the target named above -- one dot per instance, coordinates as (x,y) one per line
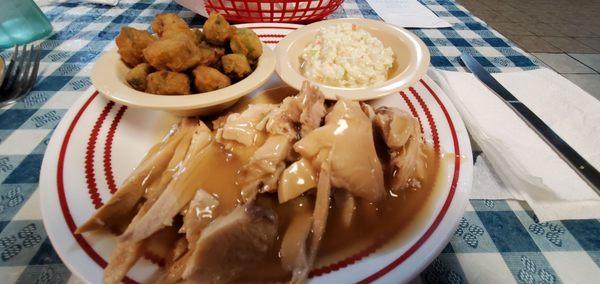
(497,241)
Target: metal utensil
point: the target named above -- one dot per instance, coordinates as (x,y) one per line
(20,75)
(581,166)
(1,70)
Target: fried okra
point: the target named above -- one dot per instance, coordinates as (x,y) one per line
(208,56)
(219,50)
(199,36)
(246,42)
(168,83)
(208,79)
(179,60)
(169,24)
(176,53)
(136,77)
(236,65)
(217,30)
(130,43)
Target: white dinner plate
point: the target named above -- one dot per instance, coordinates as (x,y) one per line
(99,142)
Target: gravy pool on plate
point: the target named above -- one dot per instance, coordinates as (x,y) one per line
(278,186)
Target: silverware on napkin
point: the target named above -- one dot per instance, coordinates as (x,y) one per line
(579,164)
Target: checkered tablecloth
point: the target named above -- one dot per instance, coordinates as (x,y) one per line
(497,241)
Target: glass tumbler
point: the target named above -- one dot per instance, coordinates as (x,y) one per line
(21,22)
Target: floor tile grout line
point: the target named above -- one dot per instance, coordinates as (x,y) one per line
(596,71)
(568,55)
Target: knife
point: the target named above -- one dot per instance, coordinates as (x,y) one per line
(582,167)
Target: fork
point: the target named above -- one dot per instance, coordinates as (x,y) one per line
(20,75)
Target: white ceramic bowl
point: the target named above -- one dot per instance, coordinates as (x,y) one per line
(108,77)
(411,58)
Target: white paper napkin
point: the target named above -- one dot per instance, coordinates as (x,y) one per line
(196,6)
(529,169)
(407,14)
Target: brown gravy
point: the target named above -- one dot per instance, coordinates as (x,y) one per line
(372,222)
(395,215)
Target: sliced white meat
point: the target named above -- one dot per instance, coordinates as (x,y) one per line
(368,110)
(298,115)
(313,107)
(265,166)
(160,245)
(243,127)
(125,255)
(199,214)
(293,246)
(156,188)
(344,152)
(402,135)
(346,142)
(296,179)
(270,183)
(114,213)
(231,244)
(346,203)
(172,273)
(320,213)
(122,258)
(294,116)
(178,250)
(180,190)
(283,120)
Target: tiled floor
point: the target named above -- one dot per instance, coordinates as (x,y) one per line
(563,34)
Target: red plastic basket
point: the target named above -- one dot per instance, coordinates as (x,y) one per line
(273,10)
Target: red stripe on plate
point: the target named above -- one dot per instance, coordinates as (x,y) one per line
(62,197)
(436,138)
(274,27)
(90,173)
(412,109)
(107,161)
(271,35)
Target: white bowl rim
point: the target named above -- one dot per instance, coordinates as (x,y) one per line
(415,71)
